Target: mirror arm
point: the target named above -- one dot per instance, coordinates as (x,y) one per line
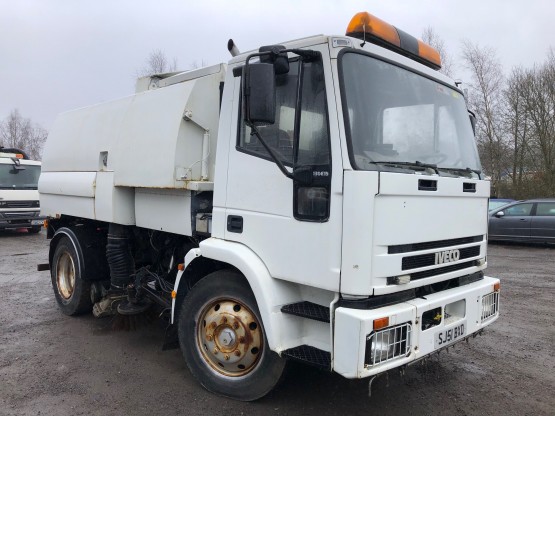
(273,155)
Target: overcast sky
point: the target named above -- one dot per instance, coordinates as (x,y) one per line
(56,55)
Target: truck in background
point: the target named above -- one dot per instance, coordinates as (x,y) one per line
(19,196)
(320,200)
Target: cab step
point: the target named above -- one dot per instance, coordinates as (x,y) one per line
(309,355)
(306,309)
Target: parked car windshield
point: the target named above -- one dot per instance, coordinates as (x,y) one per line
(19,176)
(396,118)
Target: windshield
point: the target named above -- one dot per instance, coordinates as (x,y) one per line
(19,177)
(400,120)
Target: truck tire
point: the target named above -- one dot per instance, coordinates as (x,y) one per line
(223,340)
(72,293)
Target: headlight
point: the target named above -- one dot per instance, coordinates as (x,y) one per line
(388,344)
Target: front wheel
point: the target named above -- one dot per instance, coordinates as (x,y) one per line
(72,292)
(223,340)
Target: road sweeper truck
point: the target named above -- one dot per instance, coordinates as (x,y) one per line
(319,200)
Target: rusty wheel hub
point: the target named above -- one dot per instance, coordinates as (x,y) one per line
(229,337)
(65,275)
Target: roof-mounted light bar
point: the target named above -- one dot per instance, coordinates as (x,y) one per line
(372,29)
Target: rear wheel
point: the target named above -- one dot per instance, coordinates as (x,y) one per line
(223,340)
(72,292)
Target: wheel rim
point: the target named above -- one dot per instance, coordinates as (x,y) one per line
(229,338)
(65,275)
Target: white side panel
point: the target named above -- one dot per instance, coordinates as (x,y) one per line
(114,204)
(144,155)
(360,189)
(77,137)
(67,193)
(156,138)
(403,214)
(52,205)
(164,210)
(75,184)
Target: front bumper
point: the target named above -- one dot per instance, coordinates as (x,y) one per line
(472,306)
(20,220)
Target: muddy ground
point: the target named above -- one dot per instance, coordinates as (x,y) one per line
(53,364)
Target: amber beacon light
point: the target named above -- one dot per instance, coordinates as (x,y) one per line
(372,29)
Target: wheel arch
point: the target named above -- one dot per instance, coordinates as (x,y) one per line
(270,294)
(90,249)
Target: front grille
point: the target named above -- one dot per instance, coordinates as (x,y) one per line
(19,215)
(490,305)
(398,249)
(421,260)
(388,344)
(19,204)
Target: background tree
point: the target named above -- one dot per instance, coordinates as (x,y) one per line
(486,101)
(19,132)
(517,129)
(431,37)
(538,95)
(157,63)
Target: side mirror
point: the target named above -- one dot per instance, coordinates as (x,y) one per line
(259,93)
(499,214)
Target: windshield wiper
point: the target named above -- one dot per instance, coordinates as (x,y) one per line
(460,170)
(416,164)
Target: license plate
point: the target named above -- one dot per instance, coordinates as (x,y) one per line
(37,222)
(447,336)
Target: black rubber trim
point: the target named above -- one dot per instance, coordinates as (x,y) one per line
(309,355)
(378,301)
(306,309)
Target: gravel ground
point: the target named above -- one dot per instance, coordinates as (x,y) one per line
(53,364)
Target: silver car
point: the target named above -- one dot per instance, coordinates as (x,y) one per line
(529,221)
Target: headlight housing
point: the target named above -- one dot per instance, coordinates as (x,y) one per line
(388,344)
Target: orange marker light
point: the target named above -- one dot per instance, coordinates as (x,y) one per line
(497,286)
(370,28)
(181,267)
(381,323)
(429,53)
(364,25)
(174,294)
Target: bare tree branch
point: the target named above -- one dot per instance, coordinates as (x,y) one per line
(19,132)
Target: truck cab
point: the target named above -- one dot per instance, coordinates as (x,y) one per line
(19,196)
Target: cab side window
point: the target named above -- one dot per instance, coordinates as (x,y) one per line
(280,134)
(313,149)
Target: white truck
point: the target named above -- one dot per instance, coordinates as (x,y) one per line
(320,200)
(19,196)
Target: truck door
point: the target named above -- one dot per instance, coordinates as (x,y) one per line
(295,229)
